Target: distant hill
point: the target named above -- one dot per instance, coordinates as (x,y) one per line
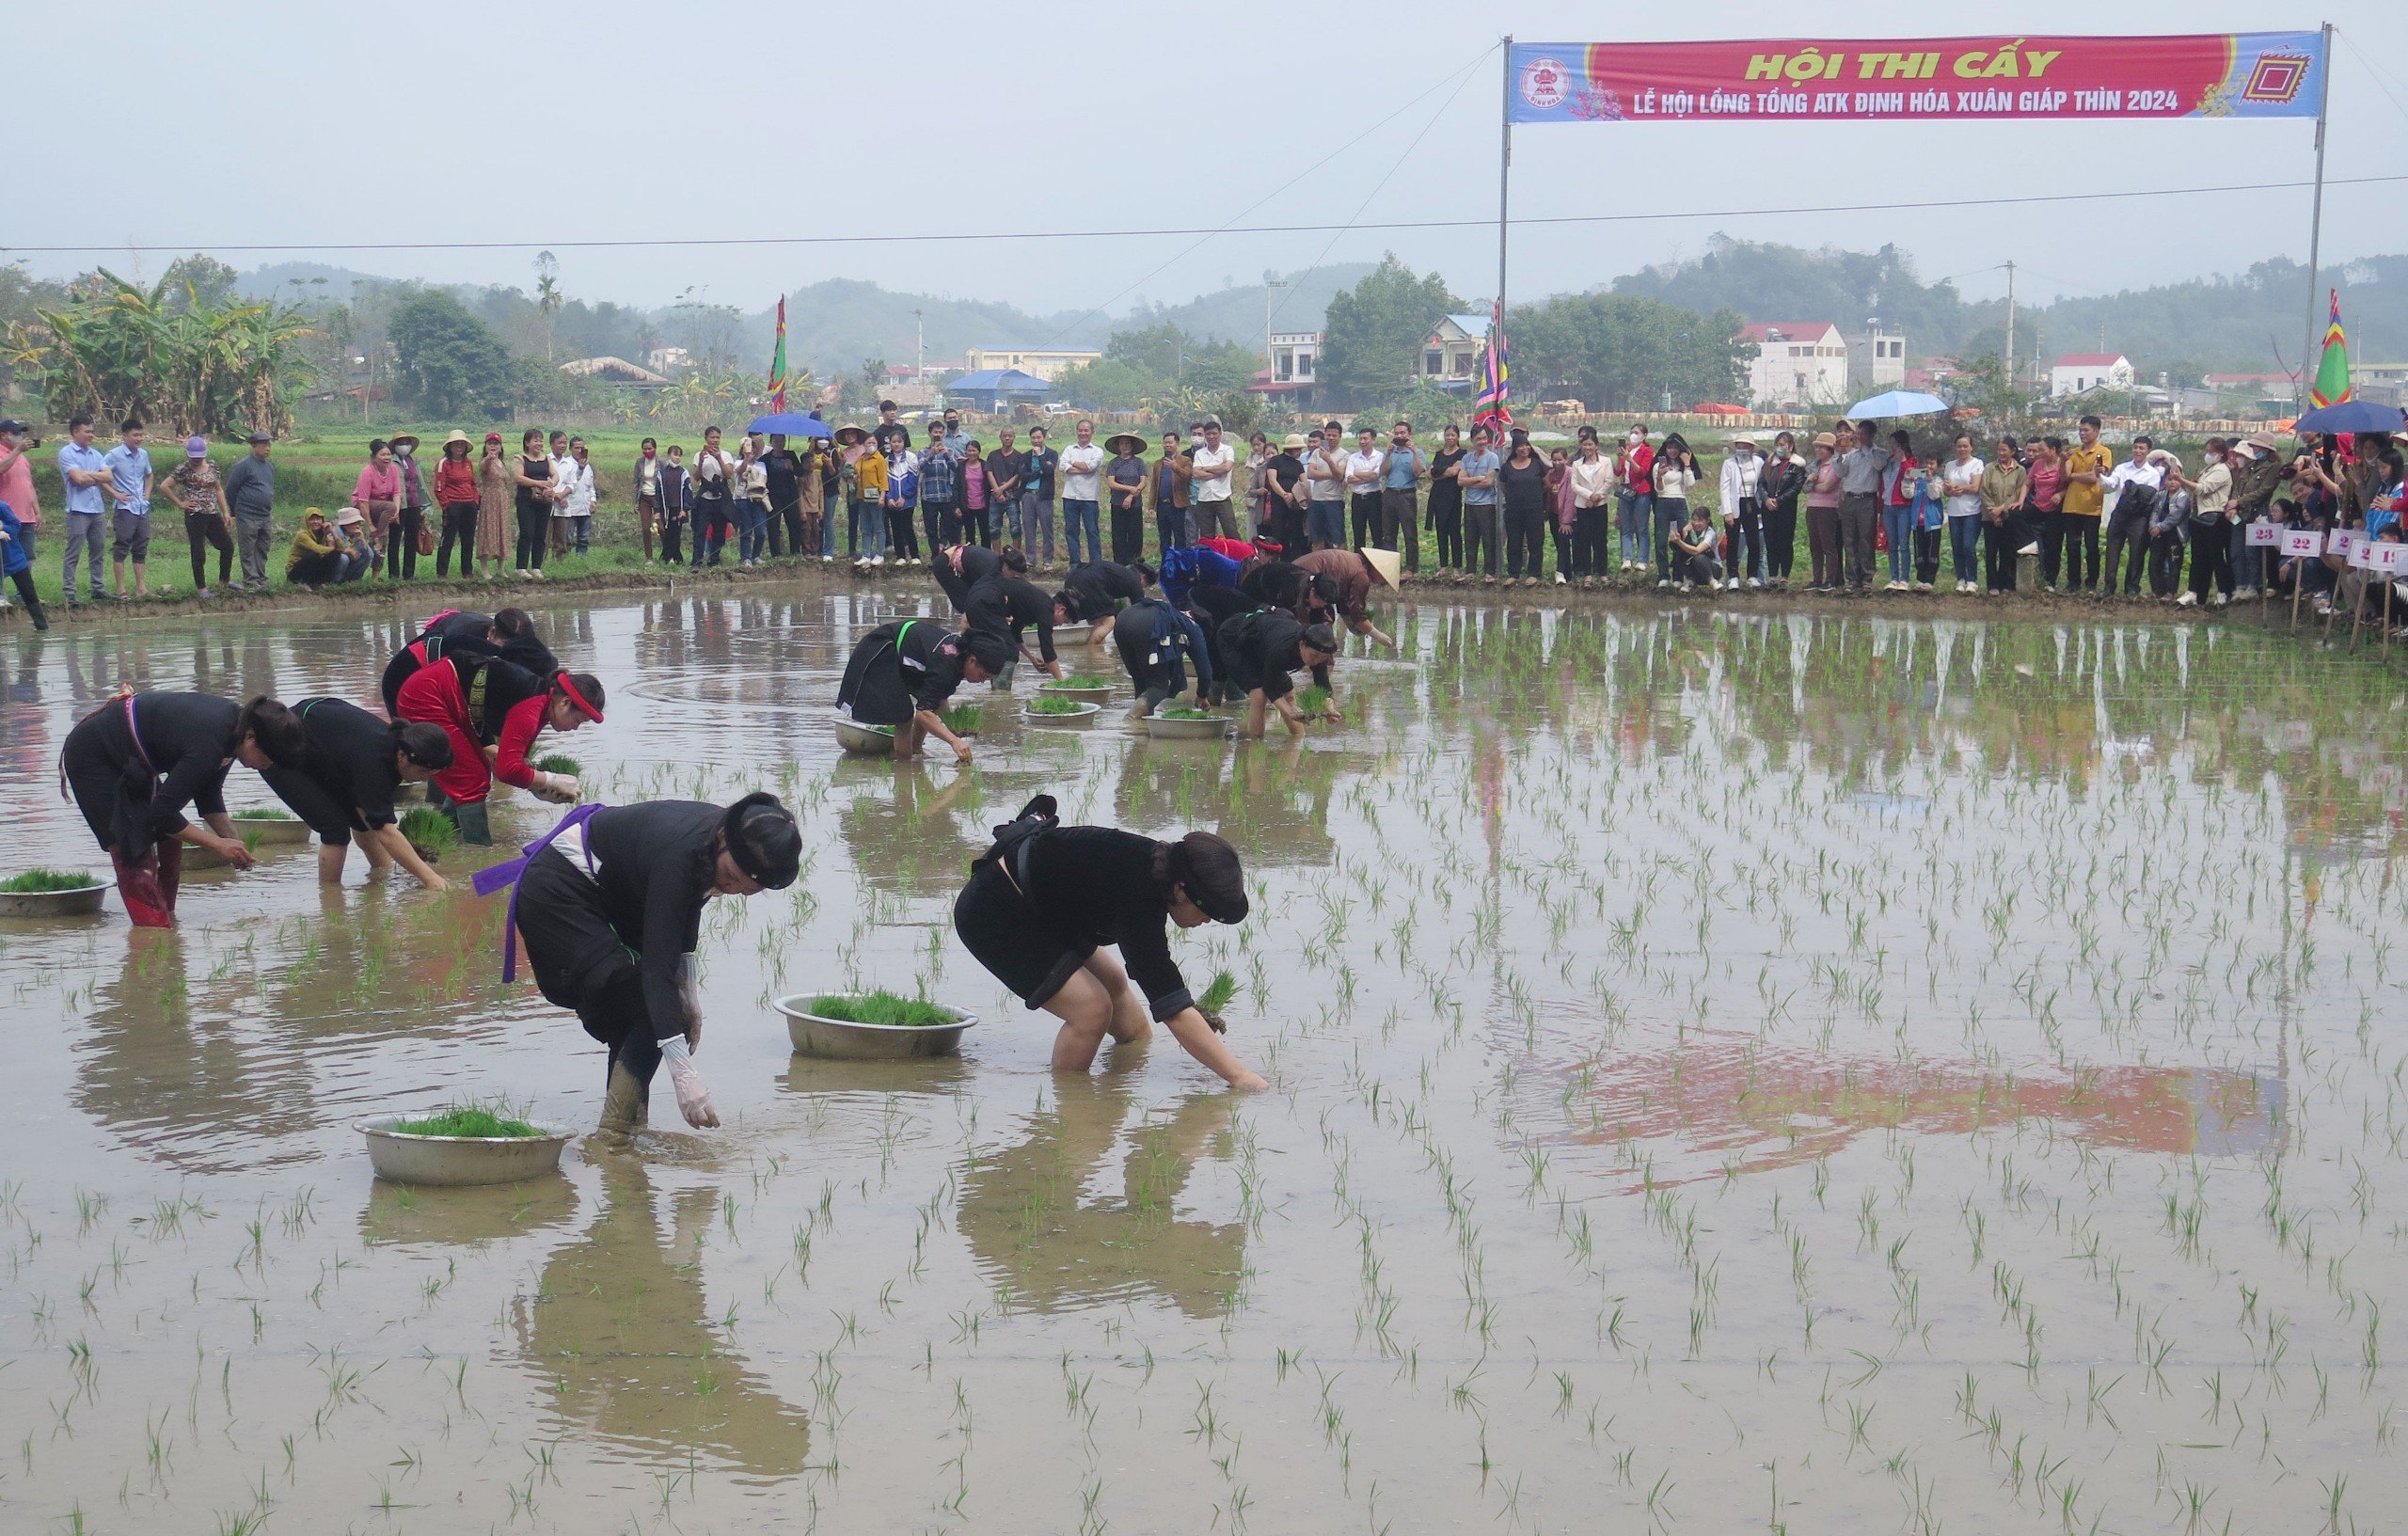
(2254,319)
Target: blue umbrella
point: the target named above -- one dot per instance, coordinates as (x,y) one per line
(2352,416)
(789,424)
(1898,403)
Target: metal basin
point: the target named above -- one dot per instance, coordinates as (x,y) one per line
(460,1159)
(80,902)
(1087,712)
(272,831)
(865,741)
(1100,693)
(840,1039)
(1209,729)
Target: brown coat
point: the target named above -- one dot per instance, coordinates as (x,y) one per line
(1182,481)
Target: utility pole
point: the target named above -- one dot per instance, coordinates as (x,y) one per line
(919,353)
(2010,327)
(1270,288)
(1504,165)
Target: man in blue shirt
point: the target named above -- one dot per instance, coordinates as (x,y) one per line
(1477,475)
(129,468)
(84,471)
(1401,475)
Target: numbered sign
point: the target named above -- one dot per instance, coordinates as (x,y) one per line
(2387,557)
(2341,541)
(2264,535)
(2360,555)
(2302,542)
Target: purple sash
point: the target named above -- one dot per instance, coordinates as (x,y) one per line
(508,872)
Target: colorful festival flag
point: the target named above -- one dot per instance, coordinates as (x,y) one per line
(778,361)
(1492,407)
(2332,384)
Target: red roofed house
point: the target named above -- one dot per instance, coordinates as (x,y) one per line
(2078,373)
(1795,362)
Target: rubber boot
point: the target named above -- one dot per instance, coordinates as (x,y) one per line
(138,887)
(626,1103)
(475,828)
(33,611)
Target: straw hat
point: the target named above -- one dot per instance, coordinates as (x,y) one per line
(1292,443)
(395,441)
(1743,442)
(2262,441)
(458,437)
(2159,455)
(847,436)
(1137,444)
(1384,563)
(348,516)
(1824,439)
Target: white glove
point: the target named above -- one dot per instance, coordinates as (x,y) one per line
(694,1095)
(560,788)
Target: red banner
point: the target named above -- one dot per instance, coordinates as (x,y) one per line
(2258,75)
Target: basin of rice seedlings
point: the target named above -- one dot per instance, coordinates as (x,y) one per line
(1059,709)
(266,824)
(47,881)
(467,1144)
(872,1027)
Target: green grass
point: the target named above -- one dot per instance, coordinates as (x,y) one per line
(1057,706)
(1077,679)
(880,1008)
(34,881)
(1184,711)
(468,1120)
(1218,993)
(429,830)
(963,719)
(1313,699)
(263,813)
(559,763)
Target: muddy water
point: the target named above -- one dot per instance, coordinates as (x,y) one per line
(1731,1072)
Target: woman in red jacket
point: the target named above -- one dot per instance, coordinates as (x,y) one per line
(493,710)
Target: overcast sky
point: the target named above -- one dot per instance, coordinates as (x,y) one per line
(289,122)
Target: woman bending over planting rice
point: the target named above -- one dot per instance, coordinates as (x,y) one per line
(492,710)
(1046,900)
(133,764)
(610,906)
(344,786)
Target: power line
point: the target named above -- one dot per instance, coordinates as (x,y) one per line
(1525,221)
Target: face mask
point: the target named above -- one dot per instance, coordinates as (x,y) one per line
(1636,439)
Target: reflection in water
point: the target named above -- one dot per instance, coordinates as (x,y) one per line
(1030,1221)
(404,1214)
(910,842)
(618,1322)
(1776,1109)
(183,1089)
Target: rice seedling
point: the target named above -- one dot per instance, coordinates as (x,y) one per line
(468,1120)
(32,881)
(1055,704)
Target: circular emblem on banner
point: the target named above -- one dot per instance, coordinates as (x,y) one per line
(1546,83)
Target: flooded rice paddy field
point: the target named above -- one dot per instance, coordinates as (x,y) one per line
(1731,1072)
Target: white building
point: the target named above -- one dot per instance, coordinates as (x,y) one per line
(1451,355)
(1044,362)
(1796,363)
(1294,354)
(1875,360)
(2078,373)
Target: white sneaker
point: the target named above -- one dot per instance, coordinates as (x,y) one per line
(1558,579)
(1898,586)
(1661,585)
(1755,584)
(2245,591)
(2188,599)
(2218,600)
(1685,589)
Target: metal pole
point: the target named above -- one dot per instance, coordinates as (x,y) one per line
(2307,359)
(1504,162)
